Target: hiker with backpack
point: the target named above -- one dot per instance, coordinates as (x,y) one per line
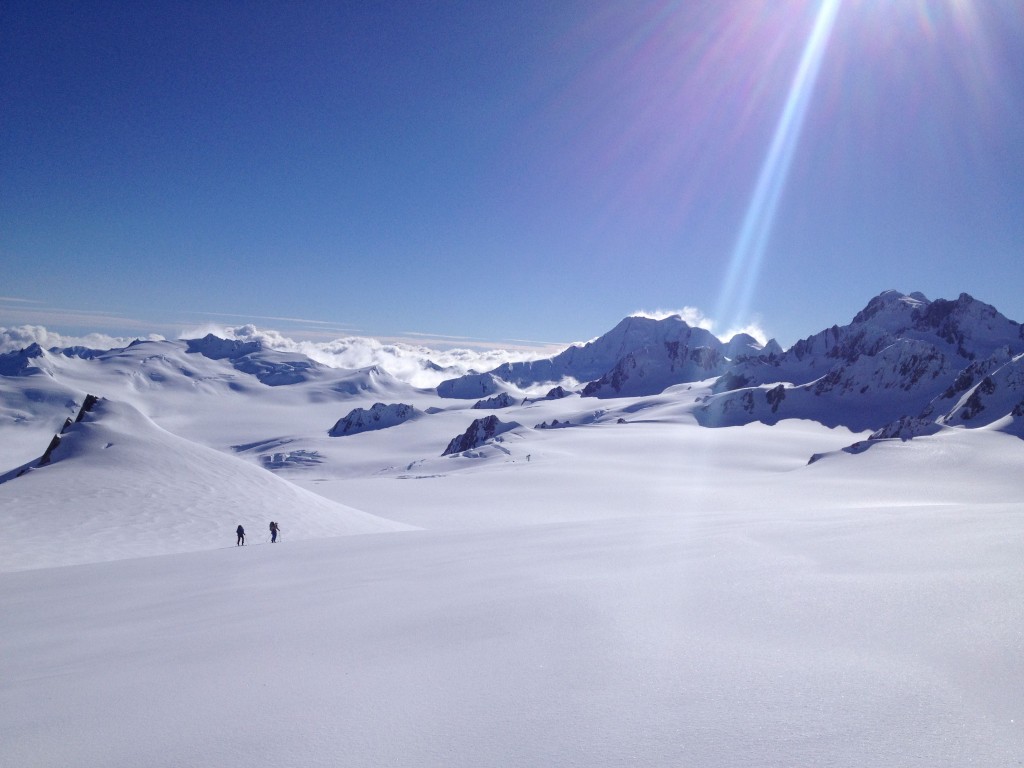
(241,536)
(273,532)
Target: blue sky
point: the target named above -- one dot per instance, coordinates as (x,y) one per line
(505,172)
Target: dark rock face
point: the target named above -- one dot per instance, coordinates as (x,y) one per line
(729,381)
(557,393)
(22,362)
(975,404)
(479,432)
(378,416)
(986,392)
(504,400)
(775,397)
(651,370)
(555,424)
(88,404)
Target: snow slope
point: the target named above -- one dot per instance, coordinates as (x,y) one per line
(118,486)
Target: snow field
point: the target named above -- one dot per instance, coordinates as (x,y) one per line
(887,637)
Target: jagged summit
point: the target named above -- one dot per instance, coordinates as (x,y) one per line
(890,303)
(596,358)
(966,327)
(896,355)
(479,432)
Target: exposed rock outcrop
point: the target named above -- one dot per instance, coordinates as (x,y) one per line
(479,432)
(504,400)
(378,416)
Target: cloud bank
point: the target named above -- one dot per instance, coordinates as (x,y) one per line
(419,365)
(19,337)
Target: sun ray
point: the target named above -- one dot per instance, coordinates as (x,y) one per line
(748,253)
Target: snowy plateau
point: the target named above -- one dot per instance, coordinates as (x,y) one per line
(653,549)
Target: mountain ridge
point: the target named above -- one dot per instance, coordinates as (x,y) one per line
(887,364)
(899,368)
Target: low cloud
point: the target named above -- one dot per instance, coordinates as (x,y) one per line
(751,329)
(19,337)
(419,365)
(691,315)
(696,318)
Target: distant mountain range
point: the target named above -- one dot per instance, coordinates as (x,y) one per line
(904,366)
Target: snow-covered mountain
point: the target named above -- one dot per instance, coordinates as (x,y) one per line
(889,363)
(185,386)
(887,366)
(640,355)
(904,366)
(472,386)
(987,393)
(268,366)
(25,362)
(652,369)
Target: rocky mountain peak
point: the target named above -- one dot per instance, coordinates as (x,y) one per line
(24,362)
(891,306)
(479,432)
(378,416)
